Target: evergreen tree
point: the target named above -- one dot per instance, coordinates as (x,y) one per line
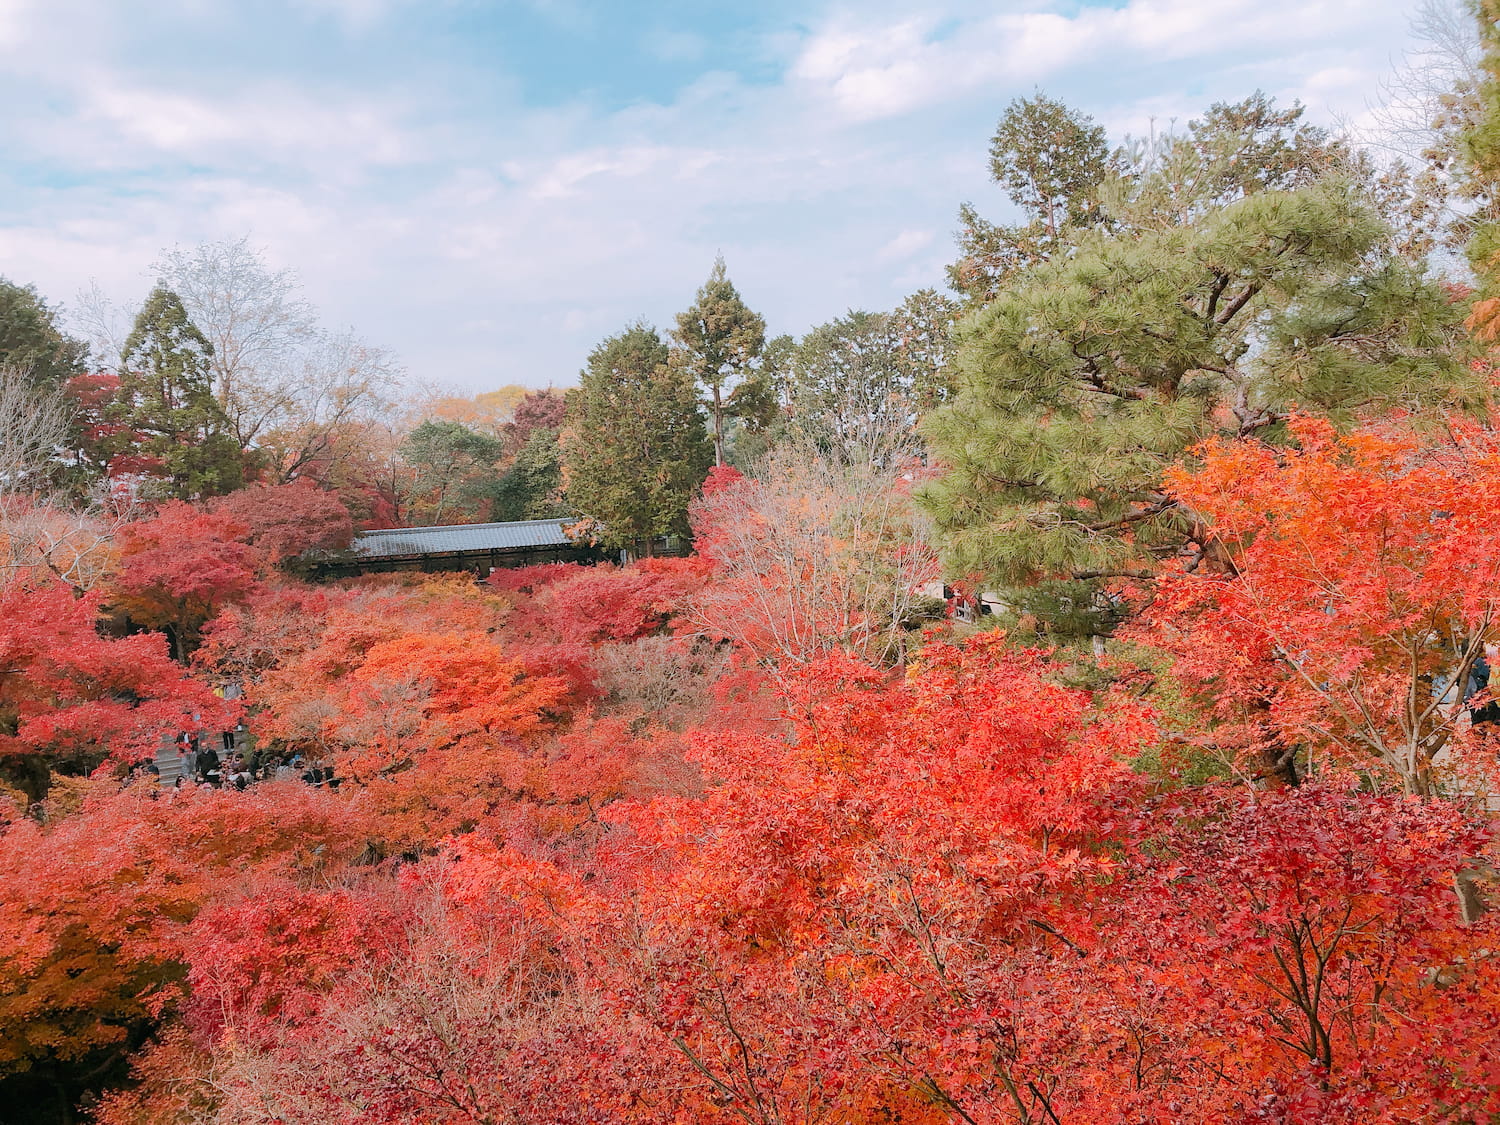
(532,488)
(860,384)
(166,402)
(720,342)
(31,342)
(1051,160)
(453,467)
(635,450)
(1214,302)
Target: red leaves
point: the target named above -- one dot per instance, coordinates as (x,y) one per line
(180,566)
(285,520)
(861,877)
(70,690)
(1355,573)
(260,966)
(93,933)
(922,893)
(1287,951)
(595,604)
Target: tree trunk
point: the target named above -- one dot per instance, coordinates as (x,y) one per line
(718,413)
(1279,759)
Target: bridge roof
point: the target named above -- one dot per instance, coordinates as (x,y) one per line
(406,542)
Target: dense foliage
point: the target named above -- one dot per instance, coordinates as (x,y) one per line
(832,819)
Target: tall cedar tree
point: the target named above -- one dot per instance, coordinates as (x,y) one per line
(1239,279)
(167,404)
(720,343)
(635,449)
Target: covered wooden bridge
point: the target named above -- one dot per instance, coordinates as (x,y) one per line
(475,547)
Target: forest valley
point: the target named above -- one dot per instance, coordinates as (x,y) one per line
(1198,826)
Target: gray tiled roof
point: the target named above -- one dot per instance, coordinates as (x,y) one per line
(400,542)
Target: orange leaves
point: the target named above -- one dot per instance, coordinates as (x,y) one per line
(93,947)
(471,689)
(1357,572)
(851,884)
(407,693)
(69,692)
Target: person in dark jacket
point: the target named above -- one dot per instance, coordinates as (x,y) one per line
(1479,681)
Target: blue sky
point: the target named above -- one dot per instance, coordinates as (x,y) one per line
(490,187)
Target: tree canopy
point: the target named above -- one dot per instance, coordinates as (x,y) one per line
(635,441)
(1222,292)
(165,403)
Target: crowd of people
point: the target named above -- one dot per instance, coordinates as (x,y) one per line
(204,766)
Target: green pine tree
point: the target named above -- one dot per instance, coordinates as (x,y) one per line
(166,401)
(1216,297)
(720,341)
(635,448)
(453,469)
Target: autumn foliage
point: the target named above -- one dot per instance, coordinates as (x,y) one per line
(611,844)
(1359,581)
(69,695)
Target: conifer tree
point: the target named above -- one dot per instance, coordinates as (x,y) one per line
(1228,284)
(1051,160)
(720,341)
(635,448)
(532,488)
(31,342)
(453,467)
(166,401)
(860,384)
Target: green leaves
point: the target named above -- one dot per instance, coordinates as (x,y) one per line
(1095,371)
(720,342)
(635,448)
(167,406)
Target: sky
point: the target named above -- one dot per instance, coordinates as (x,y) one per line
(489,188)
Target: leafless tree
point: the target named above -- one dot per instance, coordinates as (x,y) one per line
(102,323)
(33,430)
(340,383)
(61,539)
(275,369)
(1418,123)
(815,555)
(254,317)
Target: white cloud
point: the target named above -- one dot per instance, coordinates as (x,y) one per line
(905,244)
(868,71)
(674,46)
(269,121)
(493,243)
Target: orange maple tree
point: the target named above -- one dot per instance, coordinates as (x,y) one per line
(71,697)
(1360,583)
